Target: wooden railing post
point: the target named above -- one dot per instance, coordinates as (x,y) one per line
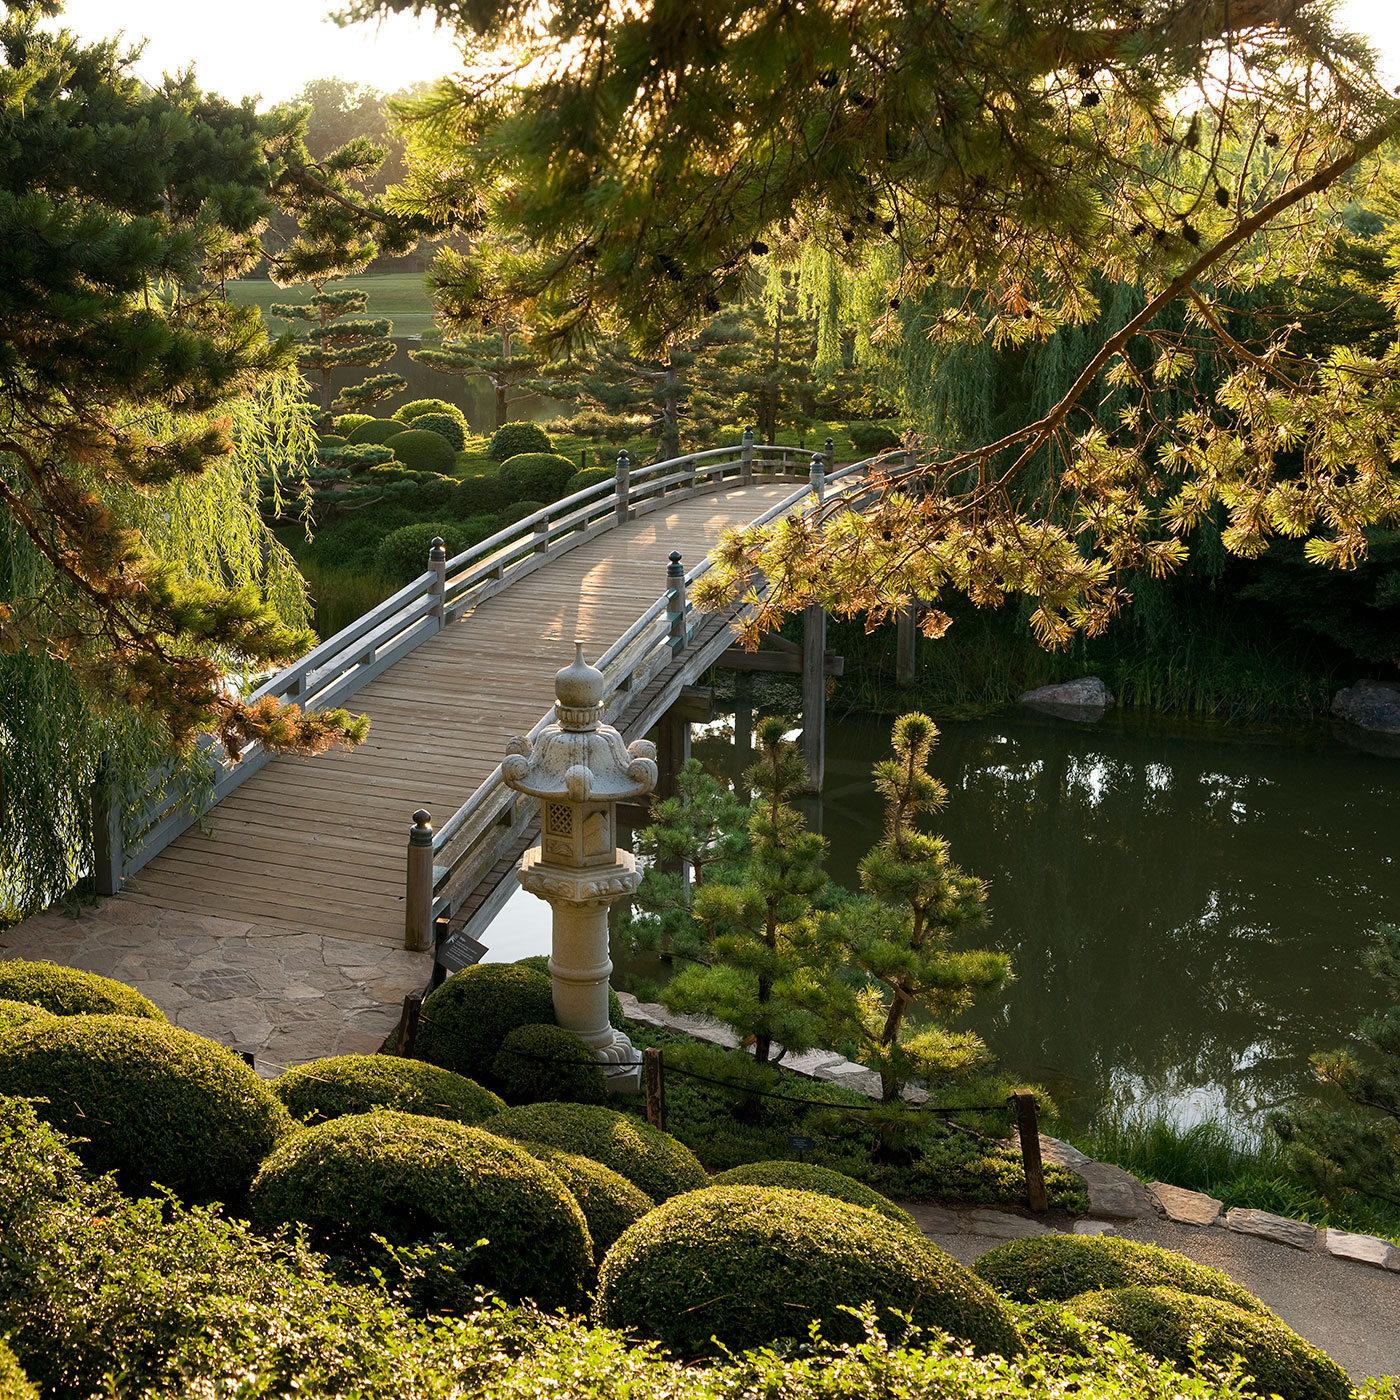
(624,487)
(675,602)
(106,831)
(689,475)
(1029,1130)
(746,458)
(817,476)
(437,562)
(542,534)
(418,894)
(829,453)
(911,458)
(655,1086)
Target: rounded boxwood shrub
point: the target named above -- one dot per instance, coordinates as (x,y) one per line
(327,440)
(547,1063)
(610,1203)
(1054,1267)
(423,451)
(464,1021)
(518,510)
(1163,1322)
(69,991)
(511,439)
(348,422)
(342,1084)
(451,430)
(651,1160)
(479,495)
(804,1176)
(418,408)
(16,1013)
(615,1016)
(411,1179)
(14,1384)
(589,476)
(154,1103)
(869,438)
(403,553)
(540,476)
(751,1265)
(376,430)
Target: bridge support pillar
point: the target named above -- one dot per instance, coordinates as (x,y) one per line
(814,695)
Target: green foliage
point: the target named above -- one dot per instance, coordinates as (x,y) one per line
(870,438)
(417,408)
(342,1084)
(348,422)
(589,476)
(403,553)
(69,991)
(747,1266)
(375,430)
(329,440)
(510,439)
(546,1063)
(520,510)
(651,1160)
(1168,1323)
(804,1176)
(423,451)
(16,1013)
(465,1021)
(1055,1267)
(14,1384)
(615,1016)
(414,1180)
(610,1203)
(539,476)
(451,429)
(155,1104)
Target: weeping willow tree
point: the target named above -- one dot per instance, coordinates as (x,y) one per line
(56,727)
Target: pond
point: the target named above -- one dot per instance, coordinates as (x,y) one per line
(1185,904)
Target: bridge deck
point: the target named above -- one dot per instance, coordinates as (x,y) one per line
(318,846)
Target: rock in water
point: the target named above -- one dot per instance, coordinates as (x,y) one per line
(1084,699)
(1373,705)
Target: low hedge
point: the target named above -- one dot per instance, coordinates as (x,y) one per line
(805,1176)
(1166,1323)
(453,431)
(423,451)
(69,991)
(538,476)
(511,439)
(376,430)
(149,1101)
(465,1021)
(16,1013)
(651,1160)
(342,1084)
(413,1180)
(748,1266)
(546,1063)
(615,1015)
(14,1384)
(1055,1267)
(610,1203)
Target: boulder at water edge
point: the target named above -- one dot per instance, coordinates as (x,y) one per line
(1084,699)
(1373,705)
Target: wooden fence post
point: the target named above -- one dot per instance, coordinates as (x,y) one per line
(418,898)
(624,486)
(654,1083)
(437,562)
(442,930)
(106,831)
(408,1023)
(675,603)
(542,534)
(746,458)
(1030,1149)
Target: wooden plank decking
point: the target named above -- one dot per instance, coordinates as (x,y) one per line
(318,845)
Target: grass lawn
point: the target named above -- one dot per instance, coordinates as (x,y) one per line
(402,296)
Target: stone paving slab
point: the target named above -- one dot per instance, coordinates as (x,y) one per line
(1185,1207)
(286,997)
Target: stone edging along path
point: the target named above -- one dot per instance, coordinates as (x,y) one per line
(1114,1194)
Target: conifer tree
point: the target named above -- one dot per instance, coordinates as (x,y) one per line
(759,926)
(900,935)
(499,355)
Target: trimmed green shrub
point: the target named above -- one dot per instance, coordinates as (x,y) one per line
(546,1063)
(615,1016)
(423,451)
(376,430)
(511,439)
(69,991)
(805,1176)
(410,1179)
(651,1160)
(589,476)
(330,440)
(610,1203)
(1054,1267)
(16,1013)
(356,458)
(342,1084)
(350,543)
(348,422)
(451,430)
(14,1384)
(1165,1321)
(540,476)
(154,1103)
(403,553)
(750,1265)
(420,408)
(869,438)
(518,510)
(466,1019)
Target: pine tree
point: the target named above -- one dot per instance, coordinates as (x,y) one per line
(900,936)
(1349,1143)
(499,355)
(759,926)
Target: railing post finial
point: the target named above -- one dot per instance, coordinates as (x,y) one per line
(675,604)
(829,452)
(746,457)
(418,892)
(624,487)
(437,565)
(817,476)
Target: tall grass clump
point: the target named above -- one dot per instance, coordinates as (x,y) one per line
(341,595)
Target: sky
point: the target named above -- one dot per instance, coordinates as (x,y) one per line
(277,45)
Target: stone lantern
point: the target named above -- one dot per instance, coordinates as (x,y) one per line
(580,770)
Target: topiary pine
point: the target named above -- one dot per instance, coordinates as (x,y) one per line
(423,451)
(153,1103)
(410,1180)
(344,1084)
(750,1266)
(70,991)
(545,1063)
(510,439)
(806,1176)
(451,430)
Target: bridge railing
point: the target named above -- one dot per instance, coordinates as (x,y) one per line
(128,834)
(445,864)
